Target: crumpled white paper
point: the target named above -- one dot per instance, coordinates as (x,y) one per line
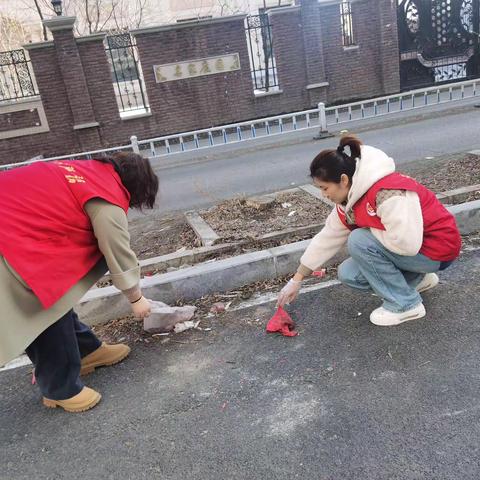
(181,327)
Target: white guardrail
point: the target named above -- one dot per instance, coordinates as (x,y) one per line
(319,118)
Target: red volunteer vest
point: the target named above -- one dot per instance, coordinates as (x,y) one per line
(441,239)
(46,236)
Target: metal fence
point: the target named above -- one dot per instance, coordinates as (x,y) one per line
(16,77)
(319,118)
(316,118)
(127,75)
(260,49)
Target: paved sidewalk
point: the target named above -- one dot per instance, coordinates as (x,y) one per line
(343,400)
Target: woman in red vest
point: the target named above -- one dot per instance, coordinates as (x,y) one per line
(64,224)
(398,234)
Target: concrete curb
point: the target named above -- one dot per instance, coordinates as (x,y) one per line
(467,216)
(458,195)
(103,304)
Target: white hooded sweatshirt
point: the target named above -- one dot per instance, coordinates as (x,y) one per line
(400,213)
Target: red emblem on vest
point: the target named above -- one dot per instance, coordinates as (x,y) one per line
(370,210)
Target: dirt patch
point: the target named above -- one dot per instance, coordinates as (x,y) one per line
(232,220)
(471,242)
(448,173)
(235,220)
(155,236)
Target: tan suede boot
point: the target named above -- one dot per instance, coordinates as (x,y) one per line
(85,400)
(103,356)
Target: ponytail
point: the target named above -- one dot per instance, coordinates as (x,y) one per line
(353,143)
(329,165)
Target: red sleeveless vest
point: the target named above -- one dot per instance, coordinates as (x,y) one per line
(46,236)
(441,238)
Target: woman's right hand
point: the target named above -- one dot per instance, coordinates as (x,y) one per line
(289,293)
(141,308)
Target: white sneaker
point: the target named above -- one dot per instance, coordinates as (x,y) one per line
(429,281)
(385,318)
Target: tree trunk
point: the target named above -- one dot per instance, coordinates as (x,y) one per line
(40,14)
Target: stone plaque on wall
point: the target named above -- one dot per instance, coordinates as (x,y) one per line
(196,68)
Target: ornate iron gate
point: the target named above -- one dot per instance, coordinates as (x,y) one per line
(439,41)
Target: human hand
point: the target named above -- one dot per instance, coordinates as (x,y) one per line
(141,308)
(289,292)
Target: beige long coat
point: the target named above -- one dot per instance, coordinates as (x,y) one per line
(22,317)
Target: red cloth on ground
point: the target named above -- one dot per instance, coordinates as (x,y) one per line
(281,322)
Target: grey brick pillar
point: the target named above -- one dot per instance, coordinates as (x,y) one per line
(73,77)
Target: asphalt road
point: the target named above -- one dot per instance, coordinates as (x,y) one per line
(198,179)
(343,400)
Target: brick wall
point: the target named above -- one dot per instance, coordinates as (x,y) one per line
(352,72)
(389,51)
(82,91)
(210,100)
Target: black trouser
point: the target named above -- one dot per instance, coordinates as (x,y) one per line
(57,353)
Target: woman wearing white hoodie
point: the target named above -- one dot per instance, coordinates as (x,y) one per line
(397,232)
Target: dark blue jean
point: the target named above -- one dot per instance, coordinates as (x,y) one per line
(56,354)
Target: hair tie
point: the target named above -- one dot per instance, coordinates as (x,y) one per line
(340,149)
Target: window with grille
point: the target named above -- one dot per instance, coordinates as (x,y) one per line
(262,59)
(127,76)
(346,21)
(16,76)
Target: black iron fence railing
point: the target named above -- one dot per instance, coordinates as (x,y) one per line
(16,77)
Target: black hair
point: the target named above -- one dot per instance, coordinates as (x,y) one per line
(137,177)
(329,165)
